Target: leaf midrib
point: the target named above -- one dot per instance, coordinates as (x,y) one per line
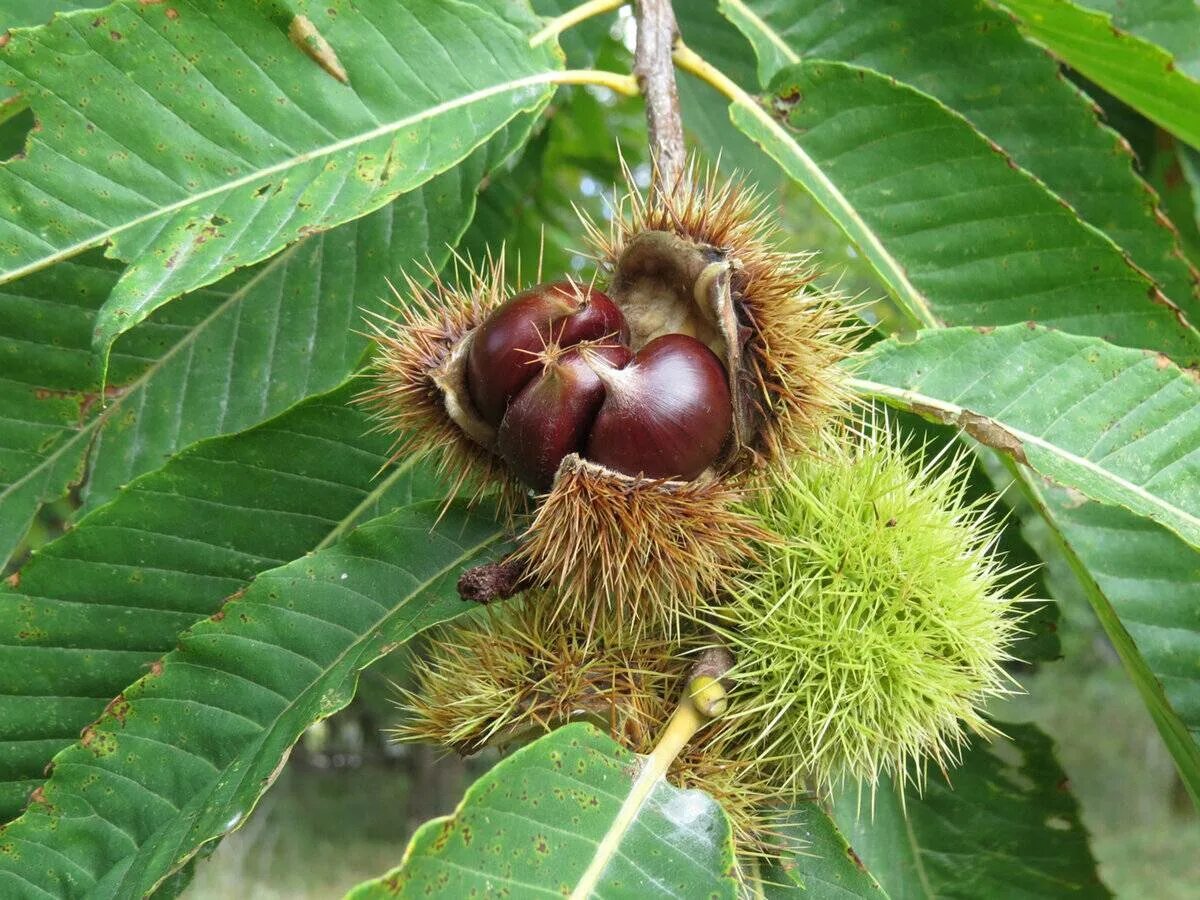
(846,216)
(382,130)
(910,396)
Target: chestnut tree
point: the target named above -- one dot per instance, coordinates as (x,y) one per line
(485,334)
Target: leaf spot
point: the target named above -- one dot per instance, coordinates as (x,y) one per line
(303,33)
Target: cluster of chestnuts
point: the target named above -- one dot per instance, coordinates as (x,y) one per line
(669,446)
(621,422)
(552,371)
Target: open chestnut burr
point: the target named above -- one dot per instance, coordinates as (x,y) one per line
(620,423)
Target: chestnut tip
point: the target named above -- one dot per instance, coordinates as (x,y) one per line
(500,356)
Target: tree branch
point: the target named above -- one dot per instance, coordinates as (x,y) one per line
(655,71)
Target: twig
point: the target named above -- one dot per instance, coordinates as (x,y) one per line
(655,71)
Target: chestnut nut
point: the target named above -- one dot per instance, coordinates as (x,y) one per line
(552,370)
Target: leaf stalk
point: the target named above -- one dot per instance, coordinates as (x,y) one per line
(702,699)
(573,17)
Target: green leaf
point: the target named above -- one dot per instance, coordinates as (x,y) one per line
(1141,73)
(27,13)
(823,864)
(1141,580)
(48,384)
(1006,826)
(1169,170)
(1120,426)
(705,115)
(535,822)
(1189,161)
(951,224)
(972,58)
(182,756)
(219,360)
(91,610)
(254,143)
(1172,24)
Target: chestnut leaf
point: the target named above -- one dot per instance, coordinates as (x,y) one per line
(1119,426)
(552,808)
(1003,824)
(1140,72)
(181,757)
(84,617)
(971,57)
(219,360)
(195,138)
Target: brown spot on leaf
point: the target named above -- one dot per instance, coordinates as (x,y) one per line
(270,779)
(987,431)
(854,858)
(1173,177)
(1157,296)
(303,33)
(983,429)
(118,708)
(14,580)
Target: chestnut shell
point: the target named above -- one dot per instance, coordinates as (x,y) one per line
(502,359)
(551,415)
(667,414)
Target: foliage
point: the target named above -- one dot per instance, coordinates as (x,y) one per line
(200,204)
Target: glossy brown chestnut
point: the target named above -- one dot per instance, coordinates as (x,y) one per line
(666,414)
(501,360)
(551,415)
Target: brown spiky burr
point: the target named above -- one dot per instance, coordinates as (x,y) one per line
(635,550)
(418,380)
(635,411)
(521,670)
(756,305)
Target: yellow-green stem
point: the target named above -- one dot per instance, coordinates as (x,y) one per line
(834,202)
(573,17)
(689,717)
(614,81)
